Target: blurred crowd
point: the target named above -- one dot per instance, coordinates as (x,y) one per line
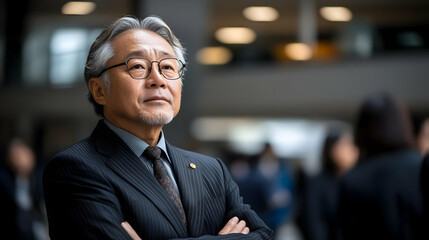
(372,183)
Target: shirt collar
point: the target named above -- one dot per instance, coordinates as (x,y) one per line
(135,143)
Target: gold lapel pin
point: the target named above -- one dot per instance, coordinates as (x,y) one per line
(192,165)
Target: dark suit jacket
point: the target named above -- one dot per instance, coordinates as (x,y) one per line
(380,198)
(94,185)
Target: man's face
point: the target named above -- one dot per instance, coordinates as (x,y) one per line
(153,101)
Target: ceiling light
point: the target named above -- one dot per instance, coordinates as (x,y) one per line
(78,8)
(298,51)
(235,35)
(336,14)
(261,14)
(214,55)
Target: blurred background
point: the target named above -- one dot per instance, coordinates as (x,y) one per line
(263,76)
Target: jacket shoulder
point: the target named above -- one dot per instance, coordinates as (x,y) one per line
(80,148)
(80,157)
(399,170)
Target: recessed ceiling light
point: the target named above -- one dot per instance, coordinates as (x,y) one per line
(214,55)
(298,51)
(261,14)
(78,8)
(235,35)
(336,14)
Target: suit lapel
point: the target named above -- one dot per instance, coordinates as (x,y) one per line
(128,166)
(189,181)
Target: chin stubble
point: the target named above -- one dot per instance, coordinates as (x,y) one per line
(157,119)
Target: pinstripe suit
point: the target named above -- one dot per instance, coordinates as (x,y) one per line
(93,186)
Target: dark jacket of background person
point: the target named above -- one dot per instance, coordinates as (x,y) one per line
(17,222)
(320,200)
(380,198)
(425,191)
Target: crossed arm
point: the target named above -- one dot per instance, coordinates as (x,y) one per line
(234,225)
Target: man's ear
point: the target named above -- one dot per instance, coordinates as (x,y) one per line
(98,90)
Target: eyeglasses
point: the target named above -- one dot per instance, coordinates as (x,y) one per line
(140,68)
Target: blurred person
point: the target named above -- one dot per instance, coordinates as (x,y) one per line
(320,207)
(380,198)
(422,135)
(21,195)
(239,167)
(267,186)
(126,179)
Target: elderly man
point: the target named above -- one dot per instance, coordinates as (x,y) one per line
(126,180)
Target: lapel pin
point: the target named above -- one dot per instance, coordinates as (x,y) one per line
(192,165)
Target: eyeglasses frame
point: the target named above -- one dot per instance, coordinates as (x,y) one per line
(150,69)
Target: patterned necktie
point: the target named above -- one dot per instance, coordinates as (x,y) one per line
(153,153)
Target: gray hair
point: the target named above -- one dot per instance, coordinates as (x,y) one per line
(101,50)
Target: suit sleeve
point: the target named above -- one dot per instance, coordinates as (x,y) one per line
(80,203)
(235,207)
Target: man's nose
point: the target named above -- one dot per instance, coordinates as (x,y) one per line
(155,78)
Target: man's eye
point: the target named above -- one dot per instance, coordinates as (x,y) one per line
(138,67)
(168,67)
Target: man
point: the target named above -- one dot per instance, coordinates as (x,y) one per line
(114,184)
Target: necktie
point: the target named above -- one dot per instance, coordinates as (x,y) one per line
(153,153)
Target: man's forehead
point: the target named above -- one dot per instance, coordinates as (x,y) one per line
(144,52)
(141,42)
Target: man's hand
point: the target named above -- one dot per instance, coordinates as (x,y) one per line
(130,231)
(234,226)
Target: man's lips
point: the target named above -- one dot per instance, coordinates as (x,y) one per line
(156,98)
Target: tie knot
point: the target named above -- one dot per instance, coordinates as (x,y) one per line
(152,153)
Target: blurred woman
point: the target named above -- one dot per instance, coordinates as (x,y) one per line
(320,199)
(380,197)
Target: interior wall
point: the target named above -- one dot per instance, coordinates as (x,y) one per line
(324,90)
